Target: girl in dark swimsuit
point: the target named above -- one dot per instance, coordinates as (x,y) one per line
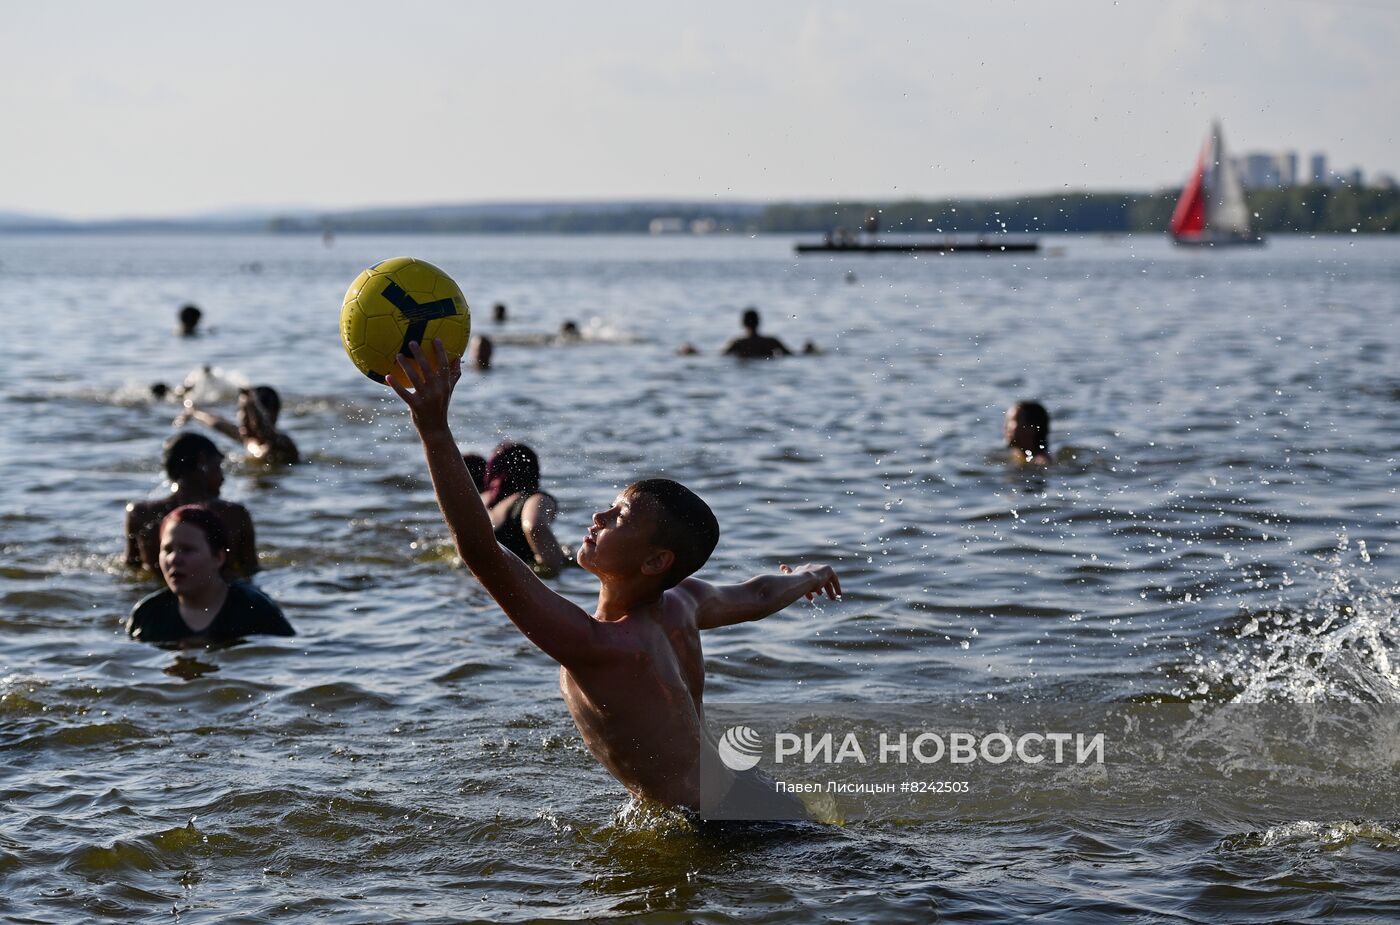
(520,513)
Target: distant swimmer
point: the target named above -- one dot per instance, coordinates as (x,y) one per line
(498,313)
(753,345)
(256,428)
(632,673)
(687,349)
(481,351)
(569,333)
(1028,433)
(810,348)
(521,514)
(194,466)
(189,320)
(200,606)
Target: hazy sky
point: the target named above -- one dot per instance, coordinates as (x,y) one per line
(153,108)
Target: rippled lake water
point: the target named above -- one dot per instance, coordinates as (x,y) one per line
(1221,526)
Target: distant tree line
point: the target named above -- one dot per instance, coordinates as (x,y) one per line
(580,220)
(1305,209)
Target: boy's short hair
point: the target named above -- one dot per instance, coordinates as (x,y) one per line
(750,318)
(183,453)
(684,524)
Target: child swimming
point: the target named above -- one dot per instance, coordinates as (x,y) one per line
(632,672)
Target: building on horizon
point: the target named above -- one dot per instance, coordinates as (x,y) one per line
(1353,177)
(1261,171)
(1317,168)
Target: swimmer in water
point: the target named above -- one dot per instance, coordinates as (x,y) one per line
(569,333)
(480,352)
(753,345)
(256,428)
(196,471)
(199,606)
(520,513)
(189,320)
(1028,433)
(632,672)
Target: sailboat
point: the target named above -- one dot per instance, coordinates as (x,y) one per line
(1211,210)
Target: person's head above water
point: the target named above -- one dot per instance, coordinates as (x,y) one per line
(189,319)
(480,351)
(476,468)
(258,409)
(194,457)
(750,320)
(498,312)
(269,399)
(1028,428)
(193,547)
(512,468)
(569,331)
(673,533)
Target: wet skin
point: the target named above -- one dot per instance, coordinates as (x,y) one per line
(632,672)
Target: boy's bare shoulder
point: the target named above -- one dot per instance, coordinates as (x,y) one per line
(687,598)
(152,507)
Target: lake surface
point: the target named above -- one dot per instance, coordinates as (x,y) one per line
(1221,526)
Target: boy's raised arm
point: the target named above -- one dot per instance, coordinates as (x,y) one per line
(554,624)
(725,605)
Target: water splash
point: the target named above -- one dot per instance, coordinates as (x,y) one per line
(1342,645)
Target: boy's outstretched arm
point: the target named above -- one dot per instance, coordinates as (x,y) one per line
(725,605)
(554,624)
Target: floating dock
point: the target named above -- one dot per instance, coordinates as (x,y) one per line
(949,246)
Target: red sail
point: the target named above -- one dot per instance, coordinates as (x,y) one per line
(1190,215)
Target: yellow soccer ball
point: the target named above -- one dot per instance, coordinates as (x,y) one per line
(398,301)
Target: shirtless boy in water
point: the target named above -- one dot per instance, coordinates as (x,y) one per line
(631,673)
(195,467)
